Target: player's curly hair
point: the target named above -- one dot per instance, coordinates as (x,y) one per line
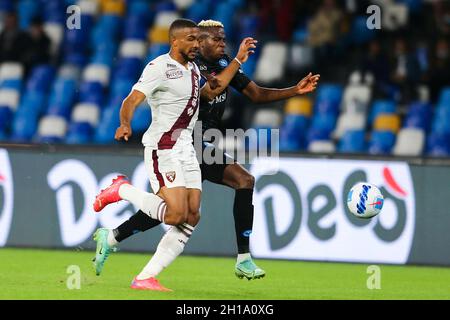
(210,23)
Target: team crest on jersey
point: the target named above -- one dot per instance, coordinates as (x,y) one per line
(171,175)
(223,62)
(174,74)
(202,67)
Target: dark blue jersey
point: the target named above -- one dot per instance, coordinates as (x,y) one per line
(211,112)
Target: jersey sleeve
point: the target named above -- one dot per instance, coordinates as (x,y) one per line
(240,80)
(150,79)
(203,81)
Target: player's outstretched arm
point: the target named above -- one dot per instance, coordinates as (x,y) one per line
(130,103)
(210,91)
(262,95)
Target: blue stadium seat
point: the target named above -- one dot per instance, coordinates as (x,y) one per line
(300,34)
(62,97)
(360,34)
(79,133)
(352,141)
(249,67)
(438,145)
(105,52)
(6,115)
(198,11)
(108,125)
(129,68)
(121,88)
(143,9)
(225,13)
(15,84)
(413,5)
(41,78)
(141,119)
(315,134)
(419,116)
(329,92)
(324,122)
(54,11)
(292,133)
(24,126)
(381,142)
(381,106)
(157,49)
(6,5)
(109,26)
(78,59)
(327,107)
(444,97)
(27,10)
(236,4)
(135,27)
(92,91)
(165,6)
(248,25)
(32,102)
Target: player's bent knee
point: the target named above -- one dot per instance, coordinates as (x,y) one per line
(246,181)
(175,219)
(176,216)
(193,218)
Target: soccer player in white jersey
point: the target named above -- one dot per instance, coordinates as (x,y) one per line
(171,83)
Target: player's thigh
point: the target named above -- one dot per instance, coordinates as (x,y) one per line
(176,200)
(194,200)
(191,169)
(237,177)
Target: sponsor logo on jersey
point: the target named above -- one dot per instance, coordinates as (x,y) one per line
(202,67)
(171,66)
(171,175)
(174,74)
(219,98)
(223,62)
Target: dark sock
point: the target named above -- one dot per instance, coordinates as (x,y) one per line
(138,222)
(243,218)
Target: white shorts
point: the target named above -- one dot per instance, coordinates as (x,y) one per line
(173,168)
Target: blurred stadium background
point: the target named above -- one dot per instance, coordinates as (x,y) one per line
(380,89)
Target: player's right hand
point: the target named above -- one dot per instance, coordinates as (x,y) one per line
(245,49)
(123,132)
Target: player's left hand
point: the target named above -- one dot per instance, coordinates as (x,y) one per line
(308,83)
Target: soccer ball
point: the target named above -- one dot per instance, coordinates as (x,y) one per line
(365,200)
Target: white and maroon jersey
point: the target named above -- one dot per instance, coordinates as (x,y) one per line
(173,93)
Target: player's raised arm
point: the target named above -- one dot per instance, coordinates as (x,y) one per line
(223,79)
(130,103)
(262,95)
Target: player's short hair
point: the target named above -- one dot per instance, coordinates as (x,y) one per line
(210,23)
(180,24)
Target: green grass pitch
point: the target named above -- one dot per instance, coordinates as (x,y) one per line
(42,274)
